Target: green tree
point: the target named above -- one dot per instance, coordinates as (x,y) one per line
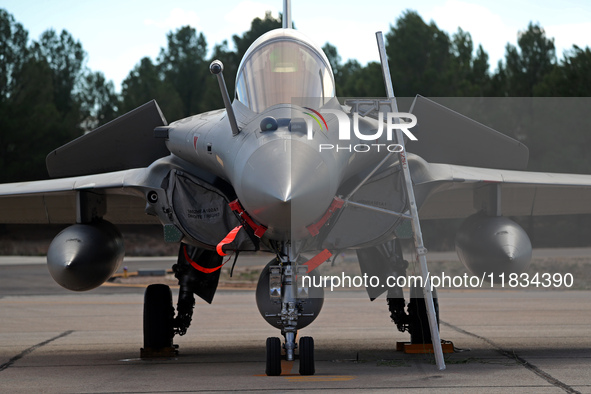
(65,57)
(98,100)
(183,65)
(528,65)
(143,84)
(365,81)
(212,98)
(13,56)
(38,107)
(424,60)
(480,77)
(34,125)
(420,57)
(469,72)
(346,78)
(13,52)
(571,78)
(333,57)
(258,27)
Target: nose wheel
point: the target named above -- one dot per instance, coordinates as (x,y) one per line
(273,357)
(306,356)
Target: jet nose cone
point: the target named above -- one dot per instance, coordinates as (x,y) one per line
(286,185)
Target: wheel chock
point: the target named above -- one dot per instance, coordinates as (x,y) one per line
(422,348)
(159,353)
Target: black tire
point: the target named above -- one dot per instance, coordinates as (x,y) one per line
(307,356)
(158,317)
(273,357)
(417,315)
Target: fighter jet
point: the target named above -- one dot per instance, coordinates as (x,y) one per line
(286,168)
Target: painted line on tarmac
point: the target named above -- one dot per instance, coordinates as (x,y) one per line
(21,260)
(286,367)
(29,350)
(321,378)
(514,356)
(139,285)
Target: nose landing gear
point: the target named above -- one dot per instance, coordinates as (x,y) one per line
(287,302)
(306,356)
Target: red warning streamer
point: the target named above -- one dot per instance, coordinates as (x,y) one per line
(315,261)
(259,230)
(229,238)
(197,266)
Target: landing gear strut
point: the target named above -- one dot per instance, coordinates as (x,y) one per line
(418,326)
(285,303)
(415,321)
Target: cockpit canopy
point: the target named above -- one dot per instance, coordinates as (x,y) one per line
(283,65)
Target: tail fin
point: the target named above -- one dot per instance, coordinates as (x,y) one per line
(124,143)
(445,136)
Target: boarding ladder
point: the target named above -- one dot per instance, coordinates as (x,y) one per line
(372,108)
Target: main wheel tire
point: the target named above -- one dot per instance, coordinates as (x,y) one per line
(158,317)
(273,357)
(307,356)
(419,330)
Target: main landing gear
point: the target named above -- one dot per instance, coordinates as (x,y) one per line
(387,261)
(160,325)
(158,322)
(196,273)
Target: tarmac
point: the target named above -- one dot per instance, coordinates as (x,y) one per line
(56,341)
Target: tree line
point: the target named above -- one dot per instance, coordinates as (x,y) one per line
(49,97)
